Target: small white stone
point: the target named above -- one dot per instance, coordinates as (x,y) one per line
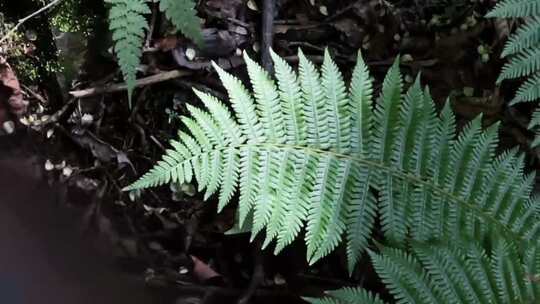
(256,47)
(279,279)
(468,91)
(252,5)
(9,127)
(25,121)
(133,196)
(409,79)
(312,2)
(49,165)
(183,270)
(87,119)
(324,10)
(190,53)
(50,133)
(67,171)
(406,58)
(238,52)
(481,49)
(60,166)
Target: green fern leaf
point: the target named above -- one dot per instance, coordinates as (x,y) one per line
(291,95)
(128,25)
(183,15)
(401,161)
(526,36)
(523,49)
(515,9)
(313,104)
(524,64)
(458,273)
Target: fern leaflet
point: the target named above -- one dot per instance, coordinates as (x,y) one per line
(127,22)
(441,273)
(183,15)
(523,48)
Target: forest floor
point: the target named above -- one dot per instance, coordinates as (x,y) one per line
(90,143)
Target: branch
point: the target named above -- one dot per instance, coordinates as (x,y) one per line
(164,76)
(269,8)
(23,20)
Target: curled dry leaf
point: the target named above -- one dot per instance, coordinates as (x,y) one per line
(202,271)
(167,43)
(11,98)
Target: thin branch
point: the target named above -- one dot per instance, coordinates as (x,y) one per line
(152,26)
(269,9)
(164,76)
(23,20)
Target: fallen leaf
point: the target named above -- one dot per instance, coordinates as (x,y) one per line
(11,98)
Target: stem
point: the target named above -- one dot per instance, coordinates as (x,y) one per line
(269,8)
(23,20)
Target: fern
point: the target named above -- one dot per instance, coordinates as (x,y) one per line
(183,15)
(309,153)
(463,273)
(523,49)
(127,22)
(515,9)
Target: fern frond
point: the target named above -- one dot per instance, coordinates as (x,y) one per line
(526,36)
(523,48)
(183,15)
(534,124)
(396,158)
(405,278)
(128,25)
(524,64)
(459,273)
(515,9)
(535,121)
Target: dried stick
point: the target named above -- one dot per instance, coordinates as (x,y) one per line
(164,76)
(23,20)
(269,8)
(257,277)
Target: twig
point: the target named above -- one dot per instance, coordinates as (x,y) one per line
(257,276)
(341,11)
(156,141)
(164,76)
(34,94)
(23,20)
(152,26)
(56,116)
(269,8)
